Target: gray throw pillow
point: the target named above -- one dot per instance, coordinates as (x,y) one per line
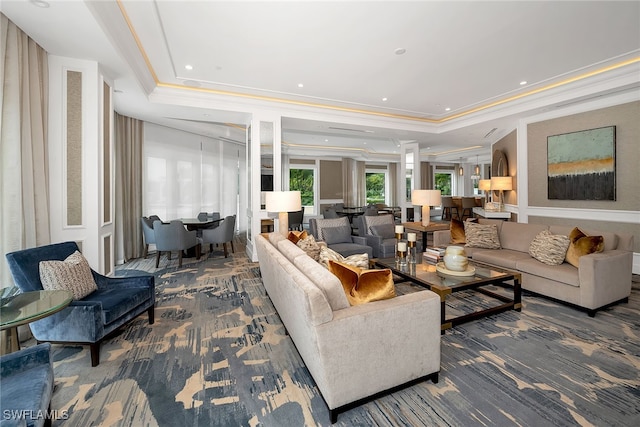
(386,231)
(333,235)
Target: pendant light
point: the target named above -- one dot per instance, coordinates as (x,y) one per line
(460,169)
(476,170)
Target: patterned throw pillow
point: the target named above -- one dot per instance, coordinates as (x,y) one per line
(548,248)
(481,235)
(73,274)
(310,246)
(582,244)
(356,260)
(362,285)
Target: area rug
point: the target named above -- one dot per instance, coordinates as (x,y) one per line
(217,355)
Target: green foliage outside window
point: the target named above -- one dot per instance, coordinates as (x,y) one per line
(302,180)
(375,183)
(443,183)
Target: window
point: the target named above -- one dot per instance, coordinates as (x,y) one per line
(303,180)
(376,184)
(443,182)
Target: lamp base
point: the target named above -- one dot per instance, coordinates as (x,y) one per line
(426,216)
(283,223)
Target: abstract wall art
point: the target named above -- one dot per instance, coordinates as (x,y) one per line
(582,165)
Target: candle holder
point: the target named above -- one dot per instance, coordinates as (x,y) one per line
(412,254)
(402,254)
(395,251)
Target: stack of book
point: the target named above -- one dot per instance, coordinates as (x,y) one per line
(433,255)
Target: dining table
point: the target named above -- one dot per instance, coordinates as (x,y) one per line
(351,212)
(197,224)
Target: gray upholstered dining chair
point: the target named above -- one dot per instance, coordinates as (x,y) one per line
(174,237)
(295,220)
(221,234)
(147,232)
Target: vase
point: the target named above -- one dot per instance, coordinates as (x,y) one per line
(455,258)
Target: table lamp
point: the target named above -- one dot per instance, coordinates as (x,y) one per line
(485,185)
(501,183)
(283,202)
(426,199)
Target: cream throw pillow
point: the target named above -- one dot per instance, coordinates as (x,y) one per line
(357,260)
(310,246)
(73,274)
(548,248)
(481,235)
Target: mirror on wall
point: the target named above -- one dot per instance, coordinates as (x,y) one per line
(499,165)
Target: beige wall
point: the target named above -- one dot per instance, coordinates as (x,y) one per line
(509,146)
(330,179)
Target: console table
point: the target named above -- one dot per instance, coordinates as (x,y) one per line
(492,214)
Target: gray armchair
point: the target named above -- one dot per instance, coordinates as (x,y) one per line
(174,237)
(90,319)
(336,233)
(379,232)
(147,233)
(27,384)
(221,235)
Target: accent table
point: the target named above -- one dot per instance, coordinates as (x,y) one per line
(492,214)
(25,308)
(425,274)
(433,226)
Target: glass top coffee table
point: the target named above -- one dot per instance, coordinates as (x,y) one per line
(426,275)
(28,307)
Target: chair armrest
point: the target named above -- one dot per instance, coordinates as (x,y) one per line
(142,281)
(80,321)
(359,240)
(374,241)
(605,277)
(24,359)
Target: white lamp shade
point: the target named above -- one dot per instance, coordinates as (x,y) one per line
(283,201)
(426,197)
(484,184)
(501,183)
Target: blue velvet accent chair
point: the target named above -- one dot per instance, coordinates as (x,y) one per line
(27,386)
(88,321)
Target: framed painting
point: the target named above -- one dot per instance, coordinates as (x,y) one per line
(582,165)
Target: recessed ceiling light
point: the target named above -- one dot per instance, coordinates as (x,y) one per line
(447,109)
(384,99)
(300,85)
(522,83)
(40,3)
(326,140)
(188,67)
(400,51)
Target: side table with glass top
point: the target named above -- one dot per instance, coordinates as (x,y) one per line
(27,307)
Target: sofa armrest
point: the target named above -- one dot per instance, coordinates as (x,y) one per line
(142,281)
(372,347)
(605,277)
(25,359)
(360,240)
(442,238)
(81,321)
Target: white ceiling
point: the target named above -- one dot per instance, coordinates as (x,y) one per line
(458,79)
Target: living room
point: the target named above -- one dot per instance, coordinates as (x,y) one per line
(608,96)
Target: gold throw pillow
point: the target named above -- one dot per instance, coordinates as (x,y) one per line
(294,236)
(362,285)
(457,232)
(582,244)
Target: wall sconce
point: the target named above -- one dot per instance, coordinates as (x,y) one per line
(485,185)
(426,199)
(501,183)
(283,202)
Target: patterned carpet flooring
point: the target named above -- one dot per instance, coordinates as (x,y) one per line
(217,355)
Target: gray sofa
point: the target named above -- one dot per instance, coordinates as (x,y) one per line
(352,352)
(602,279)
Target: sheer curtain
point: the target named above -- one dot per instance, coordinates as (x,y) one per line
(129,135)
(24,199)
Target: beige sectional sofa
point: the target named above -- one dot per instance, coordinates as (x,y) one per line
(602,279)
(352,352)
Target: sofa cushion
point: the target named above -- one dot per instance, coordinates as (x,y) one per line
(274,238)
(340,234)
(363,285)
(481,236)
(505,258)
(518,236)
(549,248)
(386,231)
(582,244)
(356,260)
(375,220)
(289,250)
(118,302)
(327,282)
(73,274)
(310,246)
(563,273)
